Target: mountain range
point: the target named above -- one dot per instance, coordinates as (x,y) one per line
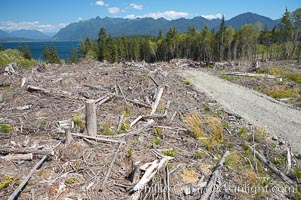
(139,26)
(24,35)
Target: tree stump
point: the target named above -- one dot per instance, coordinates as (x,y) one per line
(91,126)
(68,136)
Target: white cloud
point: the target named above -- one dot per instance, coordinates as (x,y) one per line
(114,10)
(100,3)
(169,15)
(216,16)
(30,25)
(131,16)
(80,18)
(136,6)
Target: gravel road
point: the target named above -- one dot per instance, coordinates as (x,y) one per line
(258,109)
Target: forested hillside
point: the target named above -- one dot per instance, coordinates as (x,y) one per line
(249,42)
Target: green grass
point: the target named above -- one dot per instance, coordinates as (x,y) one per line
(275,70)
(6,182)
(296,77)
(198,154)
(171,153)
(156,141)
(297,172)
(235,161)
(243,132)
(282,92)
(186,82)
(6,128)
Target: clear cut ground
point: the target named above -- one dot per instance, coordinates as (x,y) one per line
(258,109)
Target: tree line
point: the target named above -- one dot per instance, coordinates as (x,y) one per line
(250,42)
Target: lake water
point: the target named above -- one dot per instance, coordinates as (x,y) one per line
(63,49)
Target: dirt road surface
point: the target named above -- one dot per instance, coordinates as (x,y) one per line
(260,110)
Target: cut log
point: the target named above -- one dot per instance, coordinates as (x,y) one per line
(12,157)
(23,81)
(156,103)
(210,188)
(250,75)
(155,166)
(22,185)
(152,78)
(271,166)
(98,102)
(32,88)
(102,100)
(135,173)
(102,188)
(24,107)
(8,150)
(91,126)
(155,116)
(95,138)
(134,101)
(136,120)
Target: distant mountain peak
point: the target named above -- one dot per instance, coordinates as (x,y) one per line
(151,26)
(251,18)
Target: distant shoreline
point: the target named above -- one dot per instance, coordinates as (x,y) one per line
(23,41)
(63,48)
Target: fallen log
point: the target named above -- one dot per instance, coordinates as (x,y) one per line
(155,116)
(134,101)
(271,166)
(9,150)
(156,103)
(25,181)
(152,78)
(250,75)
(102,188)
(210,188)
(152,169)
(11,157)
(95,138)
(136,120)
(32,88)
(23,81)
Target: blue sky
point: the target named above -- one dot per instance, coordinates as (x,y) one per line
(51,15)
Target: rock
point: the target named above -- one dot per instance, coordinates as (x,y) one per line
(275,138)
(281,142)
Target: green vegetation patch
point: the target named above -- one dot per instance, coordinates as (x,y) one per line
(7,180)
(296,77)
(6,128)
(279,92)
(275,70)
(186,82)
(12,55)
